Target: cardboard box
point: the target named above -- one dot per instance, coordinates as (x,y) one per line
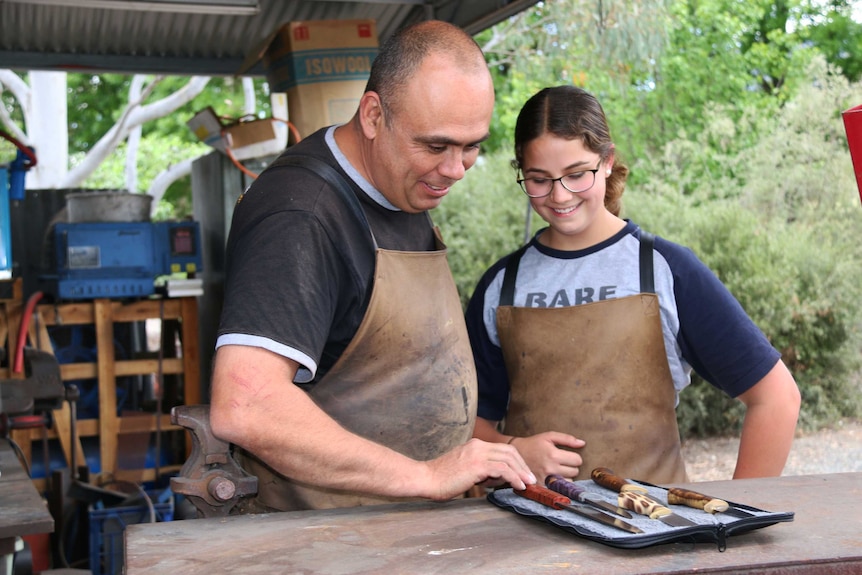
(322,65)
(249,138)
(853,127)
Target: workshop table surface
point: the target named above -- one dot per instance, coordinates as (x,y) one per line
(477,537)
(22,509)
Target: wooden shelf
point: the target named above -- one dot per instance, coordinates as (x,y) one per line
(104,314)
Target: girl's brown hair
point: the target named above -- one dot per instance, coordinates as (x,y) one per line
(570,112)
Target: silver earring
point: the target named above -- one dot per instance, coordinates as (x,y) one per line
(609,172)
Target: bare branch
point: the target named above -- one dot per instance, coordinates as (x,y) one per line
(21,92)
(133,116)
(170,103)
(161,182)
(16,85)
(134,139)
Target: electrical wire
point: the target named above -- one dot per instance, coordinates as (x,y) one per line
(70,514)
(294,132)
(239,166)
(147,499)
(28,151)
(20,454)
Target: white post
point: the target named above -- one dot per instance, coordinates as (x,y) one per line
(48,129)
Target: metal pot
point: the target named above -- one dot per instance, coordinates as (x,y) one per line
(108,206)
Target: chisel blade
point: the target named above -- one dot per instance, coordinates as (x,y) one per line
(603,517)
(555,500)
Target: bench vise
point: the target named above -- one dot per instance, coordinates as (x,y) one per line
(29,402)
(211,478)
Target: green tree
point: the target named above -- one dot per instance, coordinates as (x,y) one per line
(732,57)
(837,35)
(569,42)
(96,102)
(482,219)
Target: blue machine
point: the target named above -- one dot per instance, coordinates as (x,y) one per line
(11,188)
(5,227)
(122,259)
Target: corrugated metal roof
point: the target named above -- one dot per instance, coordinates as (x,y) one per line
(36,34)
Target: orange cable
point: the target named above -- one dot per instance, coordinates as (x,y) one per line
(292,128)
(22,331)
(239,165)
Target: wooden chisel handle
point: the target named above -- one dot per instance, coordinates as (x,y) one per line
(639,503)
(678,496)
(607,478)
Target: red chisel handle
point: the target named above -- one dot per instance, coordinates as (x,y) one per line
(545,496)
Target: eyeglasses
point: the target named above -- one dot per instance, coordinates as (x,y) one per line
(575,182)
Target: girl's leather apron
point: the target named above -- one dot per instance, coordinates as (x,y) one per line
(599,372)
(407,379)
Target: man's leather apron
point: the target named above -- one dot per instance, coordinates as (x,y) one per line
(598,371)
(407,379)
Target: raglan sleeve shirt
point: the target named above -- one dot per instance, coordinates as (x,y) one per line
(713,334)
(717,337)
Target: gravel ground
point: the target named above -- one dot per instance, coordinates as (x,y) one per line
(834,450)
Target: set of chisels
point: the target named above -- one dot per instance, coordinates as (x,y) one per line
(560,493)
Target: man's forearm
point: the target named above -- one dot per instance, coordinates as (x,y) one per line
(256,406)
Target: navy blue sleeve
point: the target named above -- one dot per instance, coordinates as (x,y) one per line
(490,368)
(717,337)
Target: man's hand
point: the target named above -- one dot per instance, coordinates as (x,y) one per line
(548,453)
(475,462)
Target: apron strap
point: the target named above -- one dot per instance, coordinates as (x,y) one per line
(647,279)
(331,176)
(646,264)
(507,293)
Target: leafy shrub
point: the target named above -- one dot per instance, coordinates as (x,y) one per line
(797,288)
(779,225)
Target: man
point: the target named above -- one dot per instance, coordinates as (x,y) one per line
(343,368)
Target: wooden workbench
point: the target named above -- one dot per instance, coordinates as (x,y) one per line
(474,536)
(22,510)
